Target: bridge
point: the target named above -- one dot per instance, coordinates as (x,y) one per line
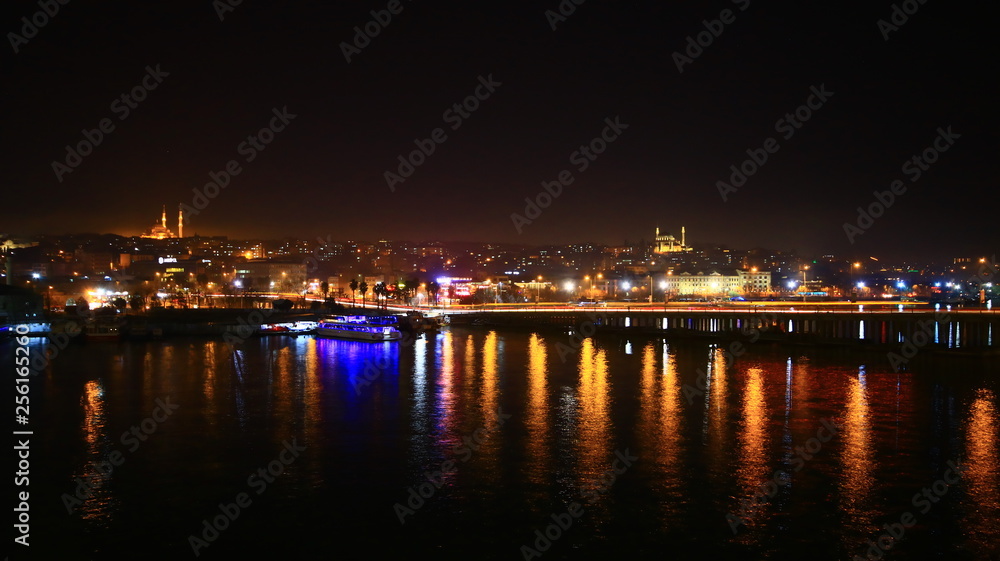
(887,326)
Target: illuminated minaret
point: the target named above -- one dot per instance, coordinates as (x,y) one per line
(164,217)
(683,238)
(180,221)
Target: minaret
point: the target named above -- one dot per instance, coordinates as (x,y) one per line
(164,218)
(683,238)
(180,221)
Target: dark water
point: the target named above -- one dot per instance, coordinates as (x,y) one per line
(374,419)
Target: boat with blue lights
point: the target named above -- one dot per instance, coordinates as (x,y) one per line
(360,328)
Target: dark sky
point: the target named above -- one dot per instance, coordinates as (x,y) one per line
(323,174)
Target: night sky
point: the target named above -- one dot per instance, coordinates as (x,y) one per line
(323,175)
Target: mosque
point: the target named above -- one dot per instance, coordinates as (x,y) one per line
(161,232)
(667,243)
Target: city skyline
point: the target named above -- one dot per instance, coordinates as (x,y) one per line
(652,112)
(581,279)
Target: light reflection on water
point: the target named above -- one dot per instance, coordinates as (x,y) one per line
(98,498)
(376,417)
(982,474)
(537,422)
(752,454)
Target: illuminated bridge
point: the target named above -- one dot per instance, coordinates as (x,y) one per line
(973,331)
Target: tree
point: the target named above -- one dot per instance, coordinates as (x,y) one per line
(136,303)
(354,288)
(380,292)
(363,287)
(432,291)
(411,285)
(324,287)
(82,307)
(119,304)
(484,296)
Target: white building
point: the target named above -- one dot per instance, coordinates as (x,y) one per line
(714,283)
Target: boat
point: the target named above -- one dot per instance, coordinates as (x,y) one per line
(423,323)
(288,328)
(360,328)
(102,331)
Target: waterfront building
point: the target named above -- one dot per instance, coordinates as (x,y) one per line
(715,283)
(264,275)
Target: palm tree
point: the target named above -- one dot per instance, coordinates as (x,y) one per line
(432,291)
(354,288)
(363,287)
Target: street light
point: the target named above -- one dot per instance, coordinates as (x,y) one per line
(805,287)
(568,286)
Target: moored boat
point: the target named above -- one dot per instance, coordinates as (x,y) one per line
(360,328)
(102,331)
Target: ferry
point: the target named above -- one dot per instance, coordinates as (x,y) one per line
(360,328)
